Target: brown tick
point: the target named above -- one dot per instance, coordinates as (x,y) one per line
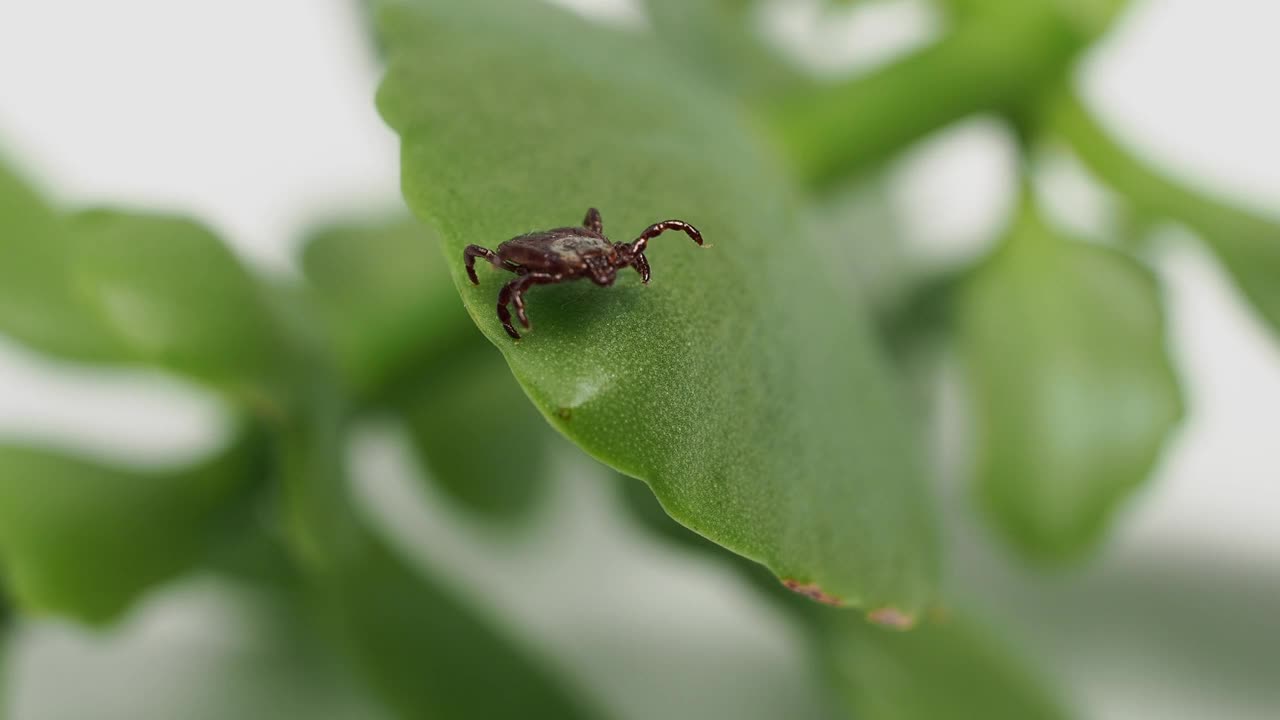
(570,253)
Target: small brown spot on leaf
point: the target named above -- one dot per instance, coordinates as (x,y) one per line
(892,618)
(812,591)
(564,414)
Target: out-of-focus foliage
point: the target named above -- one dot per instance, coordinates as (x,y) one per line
(391,312)
(175,297)
(717,38)
(743,386)
(84,540)
(477,435)
(1072,388)
(947,668)
(40,302)
(1247,243)
(430,656)
(120,287)
(992,61)
(385,299)
(225,650)
(760,420)
(422,650)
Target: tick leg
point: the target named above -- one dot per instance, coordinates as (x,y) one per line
(504,299)
(657,229)
(593,221)
(474,251)
(641,264)
(513,293)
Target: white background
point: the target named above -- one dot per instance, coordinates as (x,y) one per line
(256,116)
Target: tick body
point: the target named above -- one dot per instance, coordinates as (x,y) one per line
(563,254)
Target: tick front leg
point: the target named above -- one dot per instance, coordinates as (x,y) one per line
(657,229)
(641,264)
(474,251)
(593,221)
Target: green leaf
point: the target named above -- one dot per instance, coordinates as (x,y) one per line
(386,300)
(1247,243)
(945,669)
(175,296)
(719,39)
(742,385)
(4,656)
(40,304)
(430,655)
(109,286)
(1090,17)
(1065,350)
(477,435)
(425,652)
(401,335)
(84,540)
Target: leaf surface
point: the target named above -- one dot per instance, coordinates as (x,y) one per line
(949,669)
(175,295)
(1074,395)
(40,304)
(401,337)
(742,384)
(123,287)
(386,300)
(85,540)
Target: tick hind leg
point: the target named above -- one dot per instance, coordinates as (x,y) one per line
(474,251)
(593,221)
(513,294)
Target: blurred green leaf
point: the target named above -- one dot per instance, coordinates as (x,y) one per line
(386,300)
(112,286)
(84,540)
(718,39)
(944,669)
(477,434)
(430,655)
(40,304)
(201,649)
(993,63)
(5,621)
(1090,17)
(742,385)
(394,317)
(175,295)
(1248,244)
(425,652)
(1065,351)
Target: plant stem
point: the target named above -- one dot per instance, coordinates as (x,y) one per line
(988,64)
(1247,243)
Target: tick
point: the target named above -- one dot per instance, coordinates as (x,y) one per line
(563,254)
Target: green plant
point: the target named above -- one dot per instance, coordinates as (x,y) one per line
(748,388)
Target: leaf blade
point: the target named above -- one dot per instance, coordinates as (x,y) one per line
(85,540)
(1063,343)
(40,304)
(174,295)
(725,395)
(949,668)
